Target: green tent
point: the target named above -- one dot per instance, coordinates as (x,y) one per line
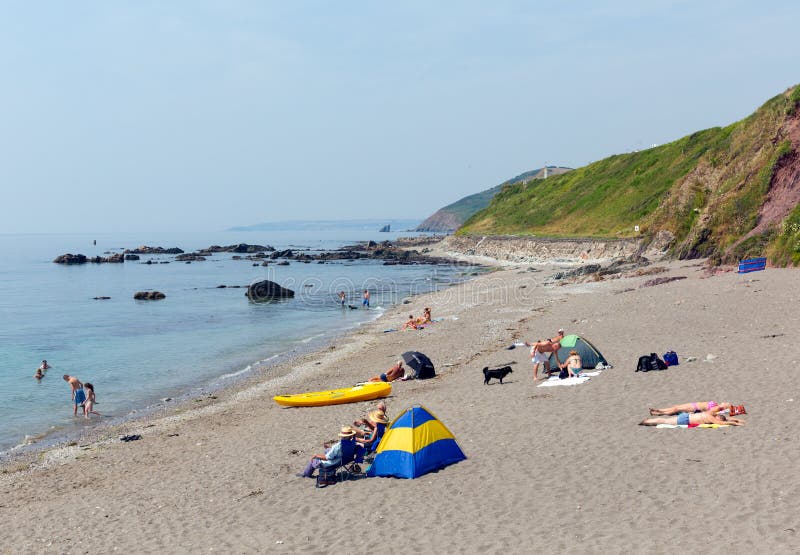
(590,356)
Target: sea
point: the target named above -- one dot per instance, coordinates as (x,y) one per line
(200,337)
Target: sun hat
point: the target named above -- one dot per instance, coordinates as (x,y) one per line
(347,431)
(378,416)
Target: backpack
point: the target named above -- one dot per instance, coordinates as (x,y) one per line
(671,358)
(650,362)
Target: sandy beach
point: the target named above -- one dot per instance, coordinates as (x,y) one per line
(549,470)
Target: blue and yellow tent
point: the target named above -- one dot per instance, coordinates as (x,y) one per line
(414,444)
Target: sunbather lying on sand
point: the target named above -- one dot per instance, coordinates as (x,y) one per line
(699,406)
(695,419)
(396,371)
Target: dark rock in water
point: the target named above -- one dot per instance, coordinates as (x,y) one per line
(153,250)
(241,248)
(221,286)
(148,262)
(149,295)
(70,259)
(265,263)
(284,263)
(371,244)
(282,254)
(266,290)
(255,264)
(192,256)
(131,257)
(164,262)
(102,298)
(385,229)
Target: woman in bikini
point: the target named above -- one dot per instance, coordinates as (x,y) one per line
(695,419)
(574,365)
(699,406)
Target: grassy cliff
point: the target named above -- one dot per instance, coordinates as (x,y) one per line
(709,190)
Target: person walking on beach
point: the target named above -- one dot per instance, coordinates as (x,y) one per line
(88,406)
(342,297)
(78,394)
(365,302)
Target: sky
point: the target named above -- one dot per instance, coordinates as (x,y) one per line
(193,116)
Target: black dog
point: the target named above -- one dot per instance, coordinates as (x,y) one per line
(497,373)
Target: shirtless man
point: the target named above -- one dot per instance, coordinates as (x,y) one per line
(540,353)
(78,394)
(559,336)
(694,419)
(411,323)
(396,371)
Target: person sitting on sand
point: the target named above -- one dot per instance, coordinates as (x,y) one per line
(410,324)
(39,374)
(332,457)
(694,419)
(699,406)
(376,422)
(540,353)
(425,318)
(396,371)
(78,394)
(573,364)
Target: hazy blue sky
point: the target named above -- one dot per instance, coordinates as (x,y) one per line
(154,115)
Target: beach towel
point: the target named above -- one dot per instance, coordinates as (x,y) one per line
(554,381)
(693,426)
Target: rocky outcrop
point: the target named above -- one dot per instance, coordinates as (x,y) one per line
(70,258)
(190,257)
(242,248)
(535,250)
(131,257)
(266,290)
(81,259)
(148,295)
(153,250)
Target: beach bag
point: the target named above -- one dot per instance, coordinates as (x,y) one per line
(671,358)
(650,362)
(563,374)
(326,476)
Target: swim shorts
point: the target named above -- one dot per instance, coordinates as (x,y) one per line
(683,419)
(80,396)
(540,357)
(384,378)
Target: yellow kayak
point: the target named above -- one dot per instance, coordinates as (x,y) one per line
(360,392)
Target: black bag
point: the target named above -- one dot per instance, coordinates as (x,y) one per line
(563,374)
(326,476)
(650,362)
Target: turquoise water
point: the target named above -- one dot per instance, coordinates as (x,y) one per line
(138,352)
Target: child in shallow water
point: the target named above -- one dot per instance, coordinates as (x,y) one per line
(88,405)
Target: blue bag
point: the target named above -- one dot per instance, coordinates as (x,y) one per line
(671,358)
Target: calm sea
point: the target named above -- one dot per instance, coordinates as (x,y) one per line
(139,352)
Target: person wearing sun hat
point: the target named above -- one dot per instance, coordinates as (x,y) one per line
(332,457)
(375,423)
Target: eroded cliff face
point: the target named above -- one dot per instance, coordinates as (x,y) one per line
(441,222)
(535,250)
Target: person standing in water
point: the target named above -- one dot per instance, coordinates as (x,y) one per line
(78,394)
(88,406)
(365,302)
(342,297)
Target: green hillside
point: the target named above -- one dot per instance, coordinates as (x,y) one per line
(707,189)
(454,215)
